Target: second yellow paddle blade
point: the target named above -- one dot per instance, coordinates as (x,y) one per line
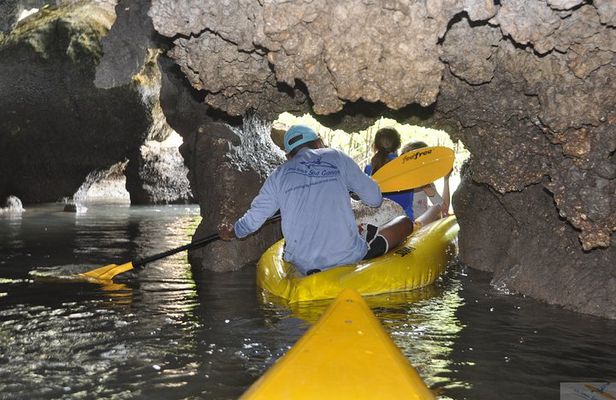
(415,169)
(346,355)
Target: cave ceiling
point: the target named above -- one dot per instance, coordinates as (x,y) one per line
(528,86)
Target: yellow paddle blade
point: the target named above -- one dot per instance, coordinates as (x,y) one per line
(346,355)
(415,169)
(106,273)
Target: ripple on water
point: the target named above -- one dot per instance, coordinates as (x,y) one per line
(161,336)
(84,346)
(68,272)
(5,281)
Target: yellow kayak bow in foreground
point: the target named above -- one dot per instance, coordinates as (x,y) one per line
(346,355)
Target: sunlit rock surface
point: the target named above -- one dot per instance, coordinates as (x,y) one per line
(157,175)
(107,186)
(378,216)
(12,206)
(527,85)
(11,11)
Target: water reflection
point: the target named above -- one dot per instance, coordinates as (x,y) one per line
(161,333)
(238,340)
(82,340)
(513,347)
(426,329)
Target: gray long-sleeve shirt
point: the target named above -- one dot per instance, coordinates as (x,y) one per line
(312,192)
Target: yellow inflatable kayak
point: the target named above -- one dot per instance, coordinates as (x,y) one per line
(346,355)
(414,264)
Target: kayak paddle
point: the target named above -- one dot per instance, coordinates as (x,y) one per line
(410,170)
(414,169)
(108,272)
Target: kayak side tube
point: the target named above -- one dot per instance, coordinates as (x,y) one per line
(416,263)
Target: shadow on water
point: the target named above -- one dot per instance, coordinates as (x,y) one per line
(164,334)
(240,337)
(513,347)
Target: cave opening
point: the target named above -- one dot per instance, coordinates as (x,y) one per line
(358,144)
(154,173)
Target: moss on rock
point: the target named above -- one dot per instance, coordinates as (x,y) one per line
(81,25)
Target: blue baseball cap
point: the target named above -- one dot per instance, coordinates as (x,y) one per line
(298,135)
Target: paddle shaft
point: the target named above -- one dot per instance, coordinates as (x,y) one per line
(194,245)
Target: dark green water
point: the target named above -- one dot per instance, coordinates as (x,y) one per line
(161,335)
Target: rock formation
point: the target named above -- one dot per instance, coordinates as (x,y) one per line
(12,10)
(12,207)
(55,125)
(216,153)
(157,175)
(107,186)
(527,85)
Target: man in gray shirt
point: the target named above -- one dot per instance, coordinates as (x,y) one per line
(311,190)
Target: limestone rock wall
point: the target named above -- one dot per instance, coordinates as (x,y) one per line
(216,155)
(227,165)
(10,11)
(126,46)
(339,52)
(540,124)
(547,119)
(76,100)
(522,239)
(157,175)
(527,85)
(55,125)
